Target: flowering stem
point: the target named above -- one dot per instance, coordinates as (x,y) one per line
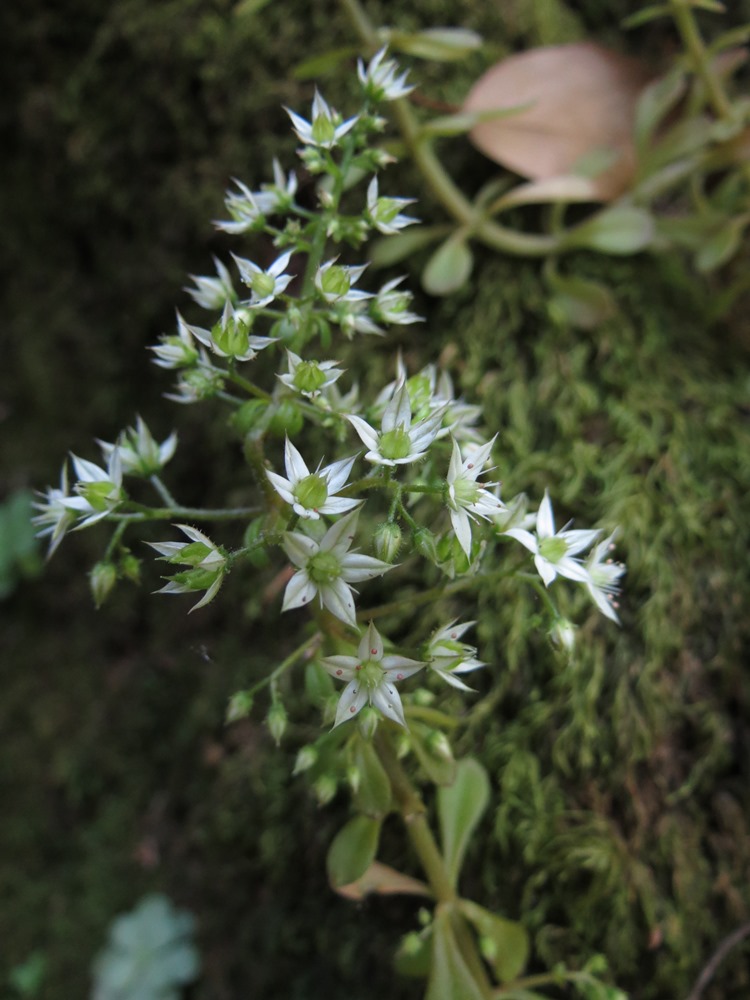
(115,539)
(248,386)
(163,492)
(691,39)
(192,513)
(308,645)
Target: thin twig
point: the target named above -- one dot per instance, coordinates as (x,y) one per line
(717,958)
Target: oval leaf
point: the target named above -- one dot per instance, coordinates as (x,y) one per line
(582,303)
(508,941)
(581,97)
(450,978)
(618,231)
(352,851)
(441,44)
(460,808)
(393,249)
(373,794)
(449,267)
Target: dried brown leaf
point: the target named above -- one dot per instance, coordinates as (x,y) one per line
(581,101)
(384,880)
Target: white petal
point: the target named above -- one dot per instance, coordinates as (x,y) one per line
(368,434)
(524,537)
(294,463)
(370,645)
(353,698)
(400,667)
(338,505)
(462,528)
(299,591)
(387,699)
(572,569)
(340,667)
(337,597)
(602,602)
(337,473)
(546,570)
(398,411)
(300,548)
(357,567)
(545,521)
(282,486)
(580,539)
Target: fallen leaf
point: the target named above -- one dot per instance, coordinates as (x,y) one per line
(579,103)
(384,880)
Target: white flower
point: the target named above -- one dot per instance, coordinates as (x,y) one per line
(99,490)
(313,494)
(179,351)
(139,452)
(246,208)
(334,282)
(448,656)
(468,500)
(384,213)
(310,377)
(206,560)
(230,337)
(213,293)
(554,551)
(371,676)
(392,307)
(55,517)
(379,78)
(327,567)
(202,381)
(325,127)
(460,416)
(398,442)
(265,284)
(603,577)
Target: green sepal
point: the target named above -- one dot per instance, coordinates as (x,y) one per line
(353,850)
(506,942)
(460,807)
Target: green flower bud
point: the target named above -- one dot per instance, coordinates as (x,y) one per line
(307,757)
(287,419)
(324,789)
(240,705)
(438,746)
(250,416)
(102,579)
(276,721)
(387,541)
(232,338)
(130,567)
(367,721)
(354,777)
(424,543)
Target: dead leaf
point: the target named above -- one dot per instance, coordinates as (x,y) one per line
(384,880)
(581,105)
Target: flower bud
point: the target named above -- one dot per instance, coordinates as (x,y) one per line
(102,579)
(307,757)
(240,705)
(367,721)
(438,746)
(287,419)
(276,721)
(563,635)
(130,567)
(354,777)
(325,789)
(424,543)
(250,416)
(387,541)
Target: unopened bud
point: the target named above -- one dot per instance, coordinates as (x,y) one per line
(306,758)
(240,705)
(367,721)
(276,721)
(424,543)
(387,541)
(354,777)
(130,567)
(102,579)
(563,635)
(324,789)
(438,746)
(287,420)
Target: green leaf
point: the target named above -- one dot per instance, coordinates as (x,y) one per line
(450,977)
(449,267)
(644,16)
(460,807)
(721,246)
(656,101)
(323,64)
(373,793)
(353,850)
(619,231)
(246,8)
(507,942)
(441,44)
(393,249)
(582,303)
(464,121)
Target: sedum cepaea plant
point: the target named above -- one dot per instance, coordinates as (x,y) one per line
(344,488)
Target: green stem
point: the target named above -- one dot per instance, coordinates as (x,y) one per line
(115,539)
(249,387)
(685,22)
(309,644)
(191,513)
(163,492)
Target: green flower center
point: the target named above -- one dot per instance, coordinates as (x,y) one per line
(102,495)
(308,377)
(335,281)
(371,674)
(311,492)
(263,285)
(395,444)
(466,492)
(553,549)
(324,568)
(323,130)
(233,338)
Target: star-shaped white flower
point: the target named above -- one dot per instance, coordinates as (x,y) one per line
(391,305)
(213,293)
(554,551)
(99,490)
(230,337)
(55,515)
(179,351)
(448,656)
(206,562)
(385,213)
(140,454)
(313,493)
(325,127)
(310,377)
(264,283)
(379,78)
(603,577)
(399,441)
(334,282)
(327,568)
(371,676)
(466,499)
